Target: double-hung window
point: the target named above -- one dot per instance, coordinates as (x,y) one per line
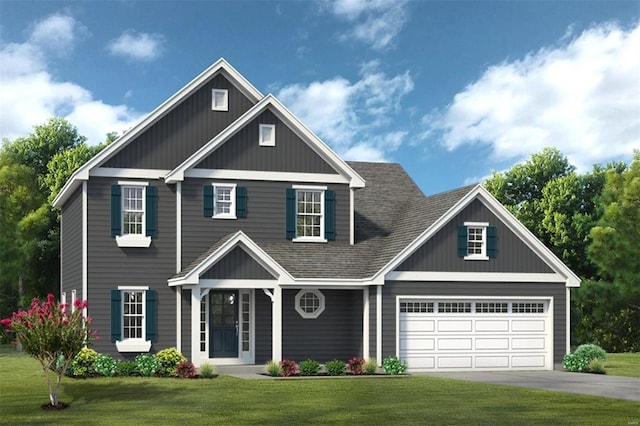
(224,201)
(310,213)
(133,317)
(476,241)
(133,213)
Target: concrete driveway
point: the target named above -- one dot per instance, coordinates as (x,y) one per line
(587,384)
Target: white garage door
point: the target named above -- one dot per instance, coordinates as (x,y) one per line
(468,334)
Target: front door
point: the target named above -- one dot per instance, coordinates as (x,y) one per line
(224,324)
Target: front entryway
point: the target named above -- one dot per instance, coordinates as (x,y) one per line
(224,322)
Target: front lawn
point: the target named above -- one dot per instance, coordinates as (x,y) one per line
(627,364)
(227,400)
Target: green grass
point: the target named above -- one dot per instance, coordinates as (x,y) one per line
(623,364)
(227,400)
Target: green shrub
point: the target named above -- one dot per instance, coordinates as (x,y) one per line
(127,368)
(185,370)
(335,367)
(579,360)
(309,367)
(169,359)
(272,368)
(392,365)
(105,365)
(371,366)
(83,363)
(591,352)
(147,365)
(574,363)
(596,366)
(207,370)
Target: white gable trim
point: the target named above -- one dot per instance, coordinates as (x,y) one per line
(269,101)
(264,176)
(221,65)
(479,192)
(242,240)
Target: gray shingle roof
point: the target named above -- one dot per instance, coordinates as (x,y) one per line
(391,212)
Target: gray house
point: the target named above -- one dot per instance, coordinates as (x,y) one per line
(223,226)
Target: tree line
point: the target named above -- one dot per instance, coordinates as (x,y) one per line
(590,221)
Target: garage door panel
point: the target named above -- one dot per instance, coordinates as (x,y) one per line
(492,361)
(527,361)
(527,343)
(421,362)
(492,325)
(455,344)
(492,344)
(410,324)
(455,361)
(417,344)
(527,325)
(455,325)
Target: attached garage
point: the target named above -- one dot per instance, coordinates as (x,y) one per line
(436,333)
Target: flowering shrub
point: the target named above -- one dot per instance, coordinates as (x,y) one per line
(288,367)
(580,360)
(169,359)
(356,365)
(393,365)
(82,364)
(52,335)
(309,367)
(335,367)
(105,365)
(186,370)
(147,365)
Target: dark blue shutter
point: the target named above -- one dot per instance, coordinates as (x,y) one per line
(151,314)
(329,214)
(241,201)
(462,241)
(116,315)
(116,210)
(492,250)
(207,197)
(290,212)
(151,212)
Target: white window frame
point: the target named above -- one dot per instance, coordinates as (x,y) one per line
(483,251)
(225,102)
(321,190)
(133,344)
(232,202)
(267,130)
(321,303)
(133,240)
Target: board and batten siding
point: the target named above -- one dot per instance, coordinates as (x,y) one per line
(71,246)
(110,266)
(237,265)
(439,253)
(265,219)
(263,320)
(290,153)
(335,334)
(183,130)
(557,291)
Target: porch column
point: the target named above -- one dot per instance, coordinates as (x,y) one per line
(379,324)
(365,323)
(276,324)
(195,326)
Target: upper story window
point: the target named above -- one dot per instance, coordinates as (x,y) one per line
(220,100)
(133,318)
(310,213)
(133,213)
(224,201)
(477,241)
(267,135)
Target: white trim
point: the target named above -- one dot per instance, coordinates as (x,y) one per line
(268,293)
(309,187)
(379,324)
(315,189)
(237,284)
(365,322)
(352,226)
(74,296)
(128,173)
(137,344)
(505,216)
(276,325)
(133,240)
(225,102)
(280,111)
(262,141)
(133,287)
(133,183)
(133,345)
(309,315)
(477,224)
(179,318)
(85,244)
(232,200)
(567,348)
(220,66)
(264,176)
(474,276)
(178,227)
(196,355)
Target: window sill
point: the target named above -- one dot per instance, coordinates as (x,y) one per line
(133,241)
(476,257)
(224,217)
(309,240)
(133,345)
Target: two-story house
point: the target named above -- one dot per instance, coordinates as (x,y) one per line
(221,225)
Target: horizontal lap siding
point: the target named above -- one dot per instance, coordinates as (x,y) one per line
(336,333)
(290,154)
(265,219)
(480,290)
(110,266)
(263,322)
(71,246)
(182,131)
(439,253)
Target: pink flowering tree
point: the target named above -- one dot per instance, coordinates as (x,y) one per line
(53,334)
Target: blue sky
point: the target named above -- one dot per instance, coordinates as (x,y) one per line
(450,89)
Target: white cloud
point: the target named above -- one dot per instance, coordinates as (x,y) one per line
(29,94)
(138,46)
(375,22)
(582,96)
(354,118)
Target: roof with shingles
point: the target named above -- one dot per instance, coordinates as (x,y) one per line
(390,213)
